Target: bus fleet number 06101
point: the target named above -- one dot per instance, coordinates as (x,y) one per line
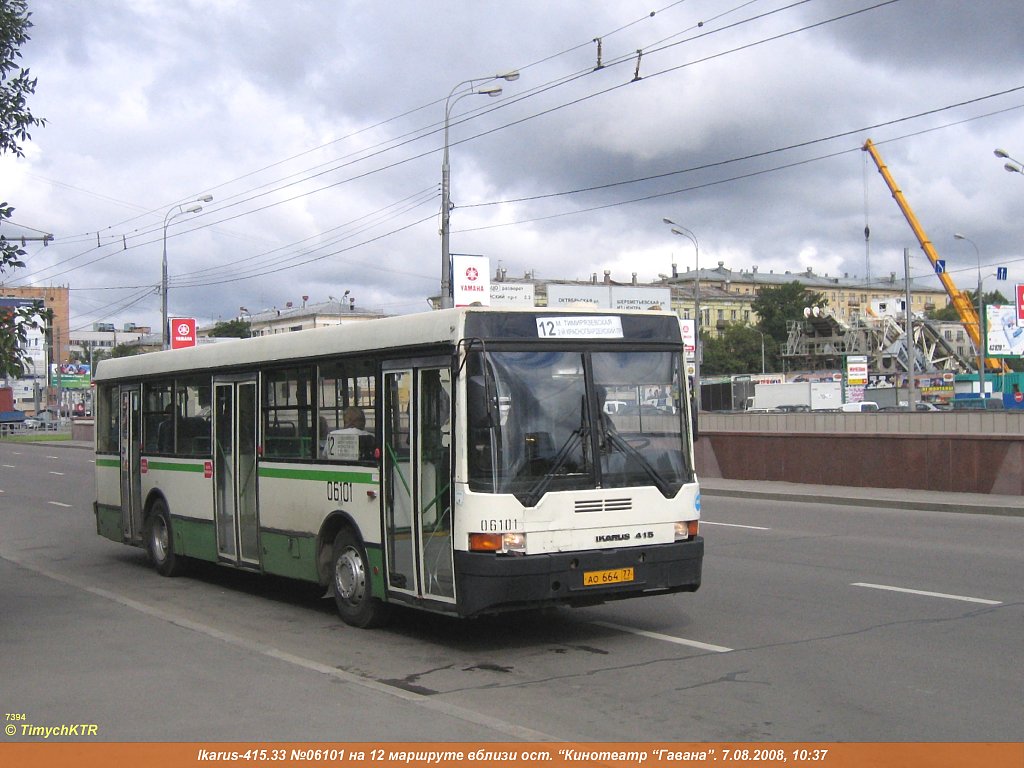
(339,491)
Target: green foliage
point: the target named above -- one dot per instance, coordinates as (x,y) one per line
(737,350)
(15,120)
(127,350)
(16,85)
(776,306)
(238,329)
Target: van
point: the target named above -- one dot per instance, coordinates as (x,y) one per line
(865,407)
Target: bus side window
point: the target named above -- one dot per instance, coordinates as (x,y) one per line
(346,407)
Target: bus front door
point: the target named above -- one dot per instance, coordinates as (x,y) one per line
(417,480)
(130,448)
(234,471)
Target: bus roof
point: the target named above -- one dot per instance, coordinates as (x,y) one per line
(390,332)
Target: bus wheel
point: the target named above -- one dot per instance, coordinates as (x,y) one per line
(160,543)
(352,593)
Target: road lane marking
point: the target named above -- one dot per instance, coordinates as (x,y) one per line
(928,594)
(59,504)
(432,703)
(56,473)
(736,525)
(664,638)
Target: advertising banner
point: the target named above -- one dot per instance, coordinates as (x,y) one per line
(512,295)
(1004,335)
(71,376)
(471,281)
(183,332)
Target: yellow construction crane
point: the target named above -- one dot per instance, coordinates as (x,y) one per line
(961,301)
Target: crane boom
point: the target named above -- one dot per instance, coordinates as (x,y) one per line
(961,301)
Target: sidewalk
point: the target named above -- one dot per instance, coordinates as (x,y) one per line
(896,498)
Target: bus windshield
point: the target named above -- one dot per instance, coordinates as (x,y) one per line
(544,421)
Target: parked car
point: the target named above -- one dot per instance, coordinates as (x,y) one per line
(42,420)
(978,404)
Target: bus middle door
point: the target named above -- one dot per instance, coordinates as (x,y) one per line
(130,450)
(236,512)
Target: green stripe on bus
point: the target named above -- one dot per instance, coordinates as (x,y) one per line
(173,466)
(317,474)
(108,463)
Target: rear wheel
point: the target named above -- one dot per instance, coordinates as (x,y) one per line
(160,541)
(351,579)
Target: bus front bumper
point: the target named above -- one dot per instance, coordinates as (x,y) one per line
(489,583)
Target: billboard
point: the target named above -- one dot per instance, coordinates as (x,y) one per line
(609,296)
(471,281)
(512,295)
(183,332)
(1004,332)
(71,376)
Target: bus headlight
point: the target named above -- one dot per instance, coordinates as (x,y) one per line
(687,529)
(497,542)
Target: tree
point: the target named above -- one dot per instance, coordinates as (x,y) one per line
(737,350)
(776,306)
(231,328)
(15,121)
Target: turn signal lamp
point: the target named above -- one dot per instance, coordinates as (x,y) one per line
(497,542)
(687,529)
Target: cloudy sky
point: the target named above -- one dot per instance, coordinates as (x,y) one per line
(317,126)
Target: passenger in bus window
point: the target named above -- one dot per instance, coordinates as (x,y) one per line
(354,421)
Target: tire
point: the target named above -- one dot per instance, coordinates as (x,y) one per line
(160,541)
(350,575)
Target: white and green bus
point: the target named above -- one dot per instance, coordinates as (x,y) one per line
(465,461)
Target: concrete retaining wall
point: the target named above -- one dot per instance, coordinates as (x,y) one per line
(956,452)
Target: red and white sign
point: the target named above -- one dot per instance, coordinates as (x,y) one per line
(1020,303)
(183,332)
(471,284)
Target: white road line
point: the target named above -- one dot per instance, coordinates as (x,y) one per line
(56,473)
(433,703)
(664,638)
(928,594)
(59,504)
(736,525)
(8,466)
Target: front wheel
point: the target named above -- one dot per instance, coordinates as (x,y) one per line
(351,576)
(160,542)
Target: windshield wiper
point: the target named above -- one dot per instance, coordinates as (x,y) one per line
(532,496)
(616,440)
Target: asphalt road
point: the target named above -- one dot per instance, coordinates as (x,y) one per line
(816,622)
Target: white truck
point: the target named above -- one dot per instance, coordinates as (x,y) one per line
(798,395)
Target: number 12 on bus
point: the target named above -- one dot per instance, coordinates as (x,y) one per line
(465,462)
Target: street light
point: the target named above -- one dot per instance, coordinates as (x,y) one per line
(981,318)
(1012,167)
(173,213)
(446,202)
(679,229)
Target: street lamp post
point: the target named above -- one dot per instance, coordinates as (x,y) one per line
(446,201)
(981,319)
(173,213)
(679,229)
(1014,166)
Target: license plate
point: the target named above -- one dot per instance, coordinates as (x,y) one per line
(613,576)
